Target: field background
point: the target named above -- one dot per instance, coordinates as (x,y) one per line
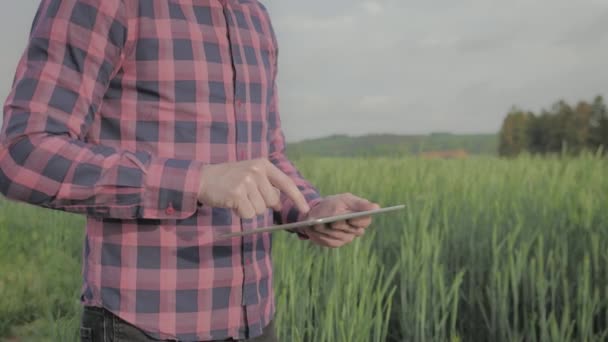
(394,145)
(488,250)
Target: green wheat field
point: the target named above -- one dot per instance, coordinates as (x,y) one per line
(486,250)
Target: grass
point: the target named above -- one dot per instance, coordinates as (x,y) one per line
(487,250)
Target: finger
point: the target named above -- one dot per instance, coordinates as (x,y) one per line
(334,233)
(256,200)
(359,232)
(347,228)
(270,194)
(323,240)
(321,231)
(341,226)
(360,222)
(282,182)
(245,210)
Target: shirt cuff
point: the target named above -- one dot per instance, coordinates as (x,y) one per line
(290,213)
(171,189)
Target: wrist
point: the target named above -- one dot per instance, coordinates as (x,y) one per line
(312,204)
(202,183)
(301,232)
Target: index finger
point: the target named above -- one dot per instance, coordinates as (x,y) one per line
(360,222)
(282,182)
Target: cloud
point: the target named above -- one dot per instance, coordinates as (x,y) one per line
(372,7)
(314,24)
(374,102)
(417,66)
(591,32)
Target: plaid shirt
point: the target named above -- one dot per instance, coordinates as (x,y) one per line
(115,106)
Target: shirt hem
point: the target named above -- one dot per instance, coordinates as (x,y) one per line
(160,335)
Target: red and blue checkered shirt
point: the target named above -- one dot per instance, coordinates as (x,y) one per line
(115,107)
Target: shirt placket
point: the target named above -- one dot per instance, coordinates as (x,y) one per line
(249,286)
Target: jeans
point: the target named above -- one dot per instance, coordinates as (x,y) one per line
(100,325)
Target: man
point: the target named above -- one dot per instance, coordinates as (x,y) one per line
(158,120)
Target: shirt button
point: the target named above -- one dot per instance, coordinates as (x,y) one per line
(239,103)
(170,210)
(248,261)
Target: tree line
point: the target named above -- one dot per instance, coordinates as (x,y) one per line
(561,129)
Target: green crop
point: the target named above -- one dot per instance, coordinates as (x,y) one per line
(486,250)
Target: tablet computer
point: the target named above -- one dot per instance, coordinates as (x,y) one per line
(313,222)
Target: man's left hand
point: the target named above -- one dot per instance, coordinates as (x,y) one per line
(340,233)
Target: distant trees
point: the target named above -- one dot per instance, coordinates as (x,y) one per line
(562,128)
(599,124)
(514,133)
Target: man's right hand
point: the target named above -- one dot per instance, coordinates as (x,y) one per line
(249,187)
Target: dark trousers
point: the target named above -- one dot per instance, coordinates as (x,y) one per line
(100,325)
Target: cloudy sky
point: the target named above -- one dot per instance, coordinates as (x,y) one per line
(413,66)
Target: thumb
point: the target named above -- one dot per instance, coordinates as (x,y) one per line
(359,204)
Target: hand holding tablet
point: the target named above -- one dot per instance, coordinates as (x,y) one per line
(314,221)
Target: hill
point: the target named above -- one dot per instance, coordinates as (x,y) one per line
(393,145)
